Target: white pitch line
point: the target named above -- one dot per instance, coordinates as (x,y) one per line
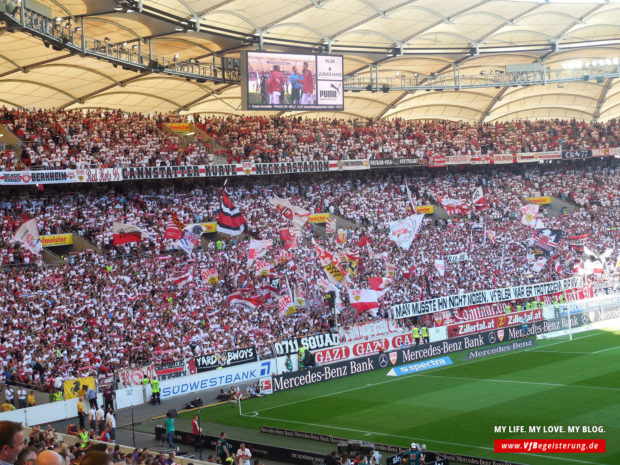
(499,380)
(605,350)
(367,433)
(565,352)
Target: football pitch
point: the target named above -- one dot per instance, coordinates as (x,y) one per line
(458,407)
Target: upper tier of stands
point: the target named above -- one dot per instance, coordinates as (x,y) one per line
(70,139)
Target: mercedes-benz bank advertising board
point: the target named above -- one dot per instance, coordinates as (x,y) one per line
(396,357)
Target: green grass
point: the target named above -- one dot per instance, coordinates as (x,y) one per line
(455,408)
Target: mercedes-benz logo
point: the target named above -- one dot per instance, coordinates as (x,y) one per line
(383,360)
(492,338)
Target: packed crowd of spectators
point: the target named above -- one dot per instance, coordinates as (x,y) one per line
(72,139)
(123,308)
(271,139)
(64,139)
(43,446)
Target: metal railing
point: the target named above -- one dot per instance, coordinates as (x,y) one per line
(63,34)
(453,80)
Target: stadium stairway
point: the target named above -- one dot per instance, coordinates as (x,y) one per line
(557,206)
(343,223)
(50,257)
(212,145)
(80,244)
(207,140)
(9,141)
(440,212)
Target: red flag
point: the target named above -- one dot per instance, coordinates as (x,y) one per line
(378,284)
(290,237)
(408,274)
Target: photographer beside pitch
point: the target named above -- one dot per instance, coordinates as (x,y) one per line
(414,455)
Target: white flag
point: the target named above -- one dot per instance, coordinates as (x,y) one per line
(28,234)
(191,237)
(539,264)
(297,215)
(411,203)
(403,231)
(530,212)
(440,265)
(257,249)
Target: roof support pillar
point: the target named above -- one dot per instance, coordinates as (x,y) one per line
(83,34)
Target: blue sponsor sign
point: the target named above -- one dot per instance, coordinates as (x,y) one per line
(420,366)
(216,378)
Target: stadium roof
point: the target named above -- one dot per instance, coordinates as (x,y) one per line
(402,38)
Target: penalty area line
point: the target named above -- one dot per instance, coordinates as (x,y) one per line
(605,350)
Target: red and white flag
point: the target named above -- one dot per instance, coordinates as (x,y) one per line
(453,206)
(242,298)
(530,213)
(478,198)
(174,228)
(290,237)
(286,306)
(257,249)
(297,215)
(262,268)
(182,279)
(363,299)
(333,270)
(331,225)
(593,266)
(407,274)
(124,233)
(229,220)
(210,276)
(558,266)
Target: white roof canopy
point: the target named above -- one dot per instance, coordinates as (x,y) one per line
(435,36)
